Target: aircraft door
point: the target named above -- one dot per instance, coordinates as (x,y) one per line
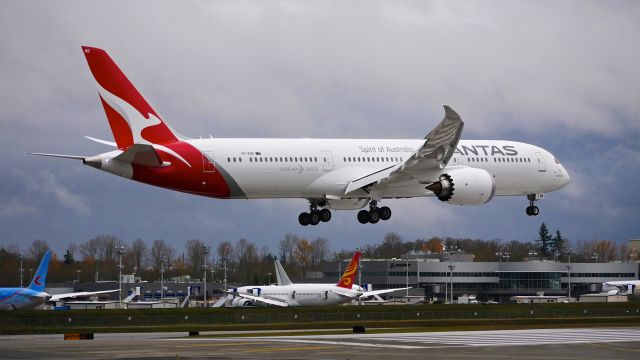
(541,165)
(208,162)
(327,160)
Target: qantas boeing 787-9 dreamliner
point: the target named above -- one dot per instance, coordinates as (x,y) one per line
(340,174)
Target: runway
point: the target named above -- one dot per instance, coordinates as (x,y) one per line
(593,343)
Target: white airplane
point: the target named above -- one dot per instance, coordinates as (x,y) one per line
(339,174)
(287,294)
(34,294)
(622,287)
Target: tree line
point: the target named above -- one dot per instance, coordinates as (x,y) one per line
(247,263)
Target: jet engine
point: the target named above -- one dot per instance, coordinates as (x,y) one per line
(239,302)
(464,186)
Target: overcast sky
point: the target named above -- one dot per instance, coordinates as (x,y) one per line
(563,75)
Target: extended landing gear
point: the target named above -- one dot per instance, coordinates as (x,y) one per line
(374,214)
(314,216)
(533,210)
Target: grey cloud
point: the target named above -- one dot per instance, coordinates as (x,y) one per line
(562,75)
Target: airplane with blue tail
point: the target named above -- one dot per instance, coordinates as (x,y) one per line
(18,298)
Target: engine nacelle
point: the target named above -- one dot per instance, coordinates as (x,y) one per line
(239,302)
(464,186)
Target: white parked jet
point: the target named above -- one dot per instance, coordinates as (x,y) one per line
(287,293)
(340,174)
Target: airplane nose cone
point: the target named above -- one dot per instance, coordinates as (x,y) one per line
(562,177)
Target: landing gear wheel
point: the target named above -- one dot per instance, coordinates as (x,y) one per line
(304,219)
(325,215)
(385,213)
(374,216)
(532,210)
(363,216)
(314,218)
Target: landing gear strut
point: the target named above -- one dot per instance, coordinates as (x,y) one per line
(374,214)
(533,210)
(314,216)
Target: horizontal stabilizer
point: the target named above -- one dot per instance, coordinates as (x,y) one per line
(105,142)
(140,154)
(74,157)
(379,292)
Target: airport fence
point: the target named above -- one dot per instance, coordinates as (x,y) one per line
(309,319)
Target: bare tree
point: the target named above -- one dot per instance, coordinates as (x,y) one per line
(302,253)
(38,248)
(286,247)
(392,246)
(138,253)
(161,250)
(194,249)
(319,251)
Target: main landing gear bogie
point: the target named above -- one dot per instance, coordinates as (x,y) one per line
(374,214)
(314,216)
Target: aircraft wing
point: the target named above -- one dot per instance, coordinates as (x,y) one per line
(378,292)
(261,299)
(352,295)
(74,295)
(435,153)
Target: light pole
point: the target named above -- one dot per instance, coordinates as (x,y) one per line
(205,252)
(78,272)
(595,256)
(407,275)
(269,281)
(21,270)
(120,252)
(569,271)
(451,268)
(449,250)
(162,278)
(359,280)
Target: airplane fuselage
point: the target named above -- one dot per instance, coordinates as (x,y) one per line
(20,298)
(301,294)
(317,168)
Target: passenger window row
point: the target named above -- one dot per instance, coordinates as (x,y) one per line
(272,159)
(371,159)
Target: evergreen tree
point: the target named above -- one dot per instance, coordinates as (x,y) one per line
(544,240)
(557,244)
(68,258)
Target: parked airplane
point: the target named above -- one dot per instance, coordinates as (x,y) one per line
(287,293)
(34,294)
(339,174)
(623,287)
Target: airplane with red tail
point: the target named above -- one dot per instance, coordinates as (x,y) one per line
(331,174)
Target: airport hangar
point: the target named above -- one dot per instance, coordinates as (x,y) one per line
(427,274)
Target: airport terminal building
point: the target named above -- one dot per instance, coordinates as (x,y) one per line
(431,276)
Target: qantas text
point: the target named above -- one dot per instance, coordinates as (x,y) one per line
(486,150)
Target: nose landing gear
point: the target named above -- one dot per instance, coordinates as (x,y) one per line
(374,214)
(533,210)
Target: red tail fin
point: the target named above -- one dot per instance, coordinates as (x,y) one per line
(130,116)
(350,272)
